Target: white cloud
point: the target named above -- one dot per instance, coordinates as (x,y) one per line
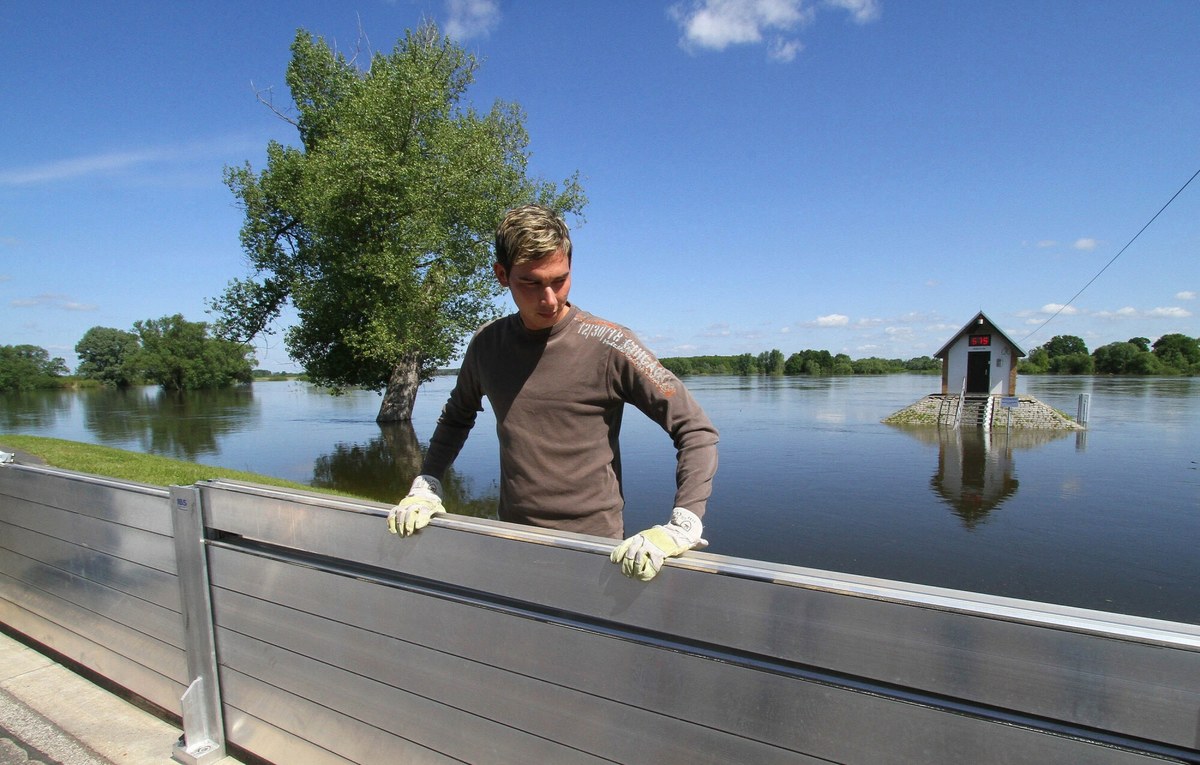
(1085,244)
(1047,243)
(1066,310)
(833,320)
(49,300)
(718,24)
(1185,295)
(471,18)
(1170,312)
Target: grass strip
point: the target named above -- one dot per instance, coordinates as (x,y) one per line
(135,466)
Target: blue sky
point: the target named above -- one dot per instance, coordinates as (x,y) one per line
(859,176)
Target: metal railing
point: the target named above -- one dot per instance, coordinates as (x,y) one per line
(962,395)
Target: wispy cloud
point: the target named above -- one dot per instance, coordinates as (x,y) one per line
(1185,295)
(471,18)
(1086,244)
(1128,312)
(79,167)
(115,162)
(50,300)
(717,24)
(1059,308)
(717,330)
(862,11)
(1169,312)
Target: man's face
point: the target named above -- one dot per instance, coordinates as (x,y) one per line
(539,288)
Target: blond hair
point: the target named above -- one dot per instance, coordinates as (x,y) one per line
(530,232)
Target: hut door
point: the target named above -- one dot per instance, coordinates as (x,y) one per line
(979,365)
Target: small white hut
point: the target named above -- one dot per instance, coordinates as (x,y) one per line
(979,386)
(980,359)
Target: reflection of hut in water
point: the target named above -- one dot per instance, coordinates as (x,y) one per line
(979,386)
(972,478)
(976,470)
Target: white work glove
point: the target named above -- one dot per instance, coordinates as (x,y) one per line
(424,501)
(642,555)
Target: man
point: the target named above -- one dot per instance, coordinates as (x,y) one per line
(557,379)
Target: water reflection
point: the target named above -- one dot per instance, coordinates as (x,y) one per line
(185,425)
(976,471)
(31,410)
(383,469)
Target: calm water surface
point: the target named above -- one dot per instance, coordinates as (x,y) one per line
(1108,519)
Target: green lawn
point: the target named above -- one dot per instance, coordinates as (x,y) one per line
(133,466)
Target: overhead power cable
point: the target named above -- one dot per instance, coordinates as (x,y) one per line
(1064,306)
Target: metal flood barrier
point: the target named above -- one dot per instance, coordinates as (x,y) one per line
(293,626)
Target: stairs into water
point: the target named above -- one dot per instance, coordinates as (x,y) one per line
(966,411)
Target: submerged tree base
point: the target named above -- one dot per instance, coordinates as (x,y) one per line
(401,393)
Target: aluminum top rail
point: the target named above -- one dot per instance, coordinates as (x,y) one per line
(479,641)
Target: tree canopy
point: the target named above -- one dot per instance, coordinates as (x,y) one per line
(180,355)
(26,367)
(377,227)
(109,356)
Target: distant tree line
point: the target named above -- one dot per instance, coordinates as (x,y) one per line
(182,355)
(808,362)
(1172,354)
(170,352)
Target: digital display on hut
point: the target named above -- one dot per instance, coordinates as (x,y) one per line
(980,341)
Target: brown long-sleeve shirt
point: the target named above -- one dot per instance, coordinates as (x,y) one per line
(558,396)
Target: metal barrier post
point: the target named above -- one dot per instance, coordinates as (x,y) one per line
(203,738)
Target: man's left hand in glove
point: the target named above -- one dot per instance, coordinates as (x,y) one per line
(641,556)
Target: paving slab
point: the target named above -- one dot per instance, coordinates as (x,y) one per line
(49,715)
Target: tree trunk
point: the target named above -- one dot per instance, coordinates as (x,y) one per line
(401,393)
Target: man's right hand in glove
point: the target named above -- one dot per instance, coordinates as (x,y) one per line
(424,501)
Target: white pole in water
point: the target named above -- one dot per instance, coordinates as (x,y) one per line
(1084,406)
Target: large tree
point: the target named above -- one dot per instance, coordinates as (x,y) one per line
(1179,352)
(377,228)
(180,355)
(109,355)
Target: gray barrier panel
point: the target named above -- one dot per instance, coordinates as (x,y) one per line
(320,638)
(87,567)
(730,660)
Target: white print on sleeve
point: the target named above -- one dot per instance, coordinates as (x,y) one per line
(644,361)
